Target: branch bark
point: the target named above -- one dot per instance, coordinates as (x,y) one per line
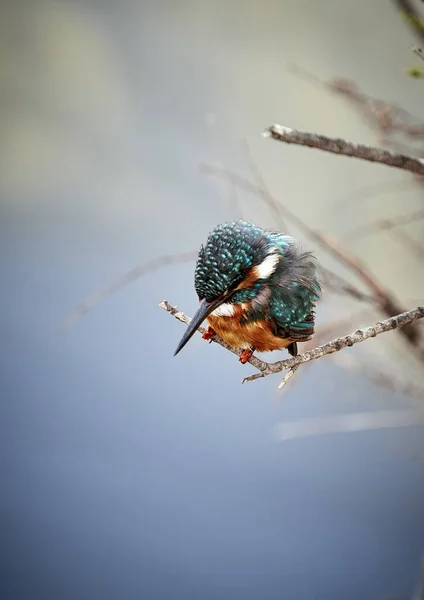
(180,316)
(340,146)
(335,345)
(388,304)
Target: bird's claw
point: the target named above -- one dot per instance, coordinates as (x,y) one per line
(246,355)
(208,334)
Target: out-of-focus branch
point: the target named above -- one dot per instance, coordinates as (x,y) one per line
(338,285)
(350,423)
(398,236)
(264,191)
(330,347)
(387,224)
(331,280)
(418,51)
(388,304)
(109,289)
(386,118)
(341,146)
(408,242)
(387,380)
(373,190)
(412,17)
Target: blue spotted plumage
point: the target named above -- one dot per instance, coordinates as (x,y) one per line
(257,289)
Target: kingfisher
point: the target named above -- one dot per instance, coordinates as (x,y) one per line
(257,289)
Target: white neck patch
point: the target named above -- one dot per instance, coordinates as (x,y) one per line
(225,310)
(268,265)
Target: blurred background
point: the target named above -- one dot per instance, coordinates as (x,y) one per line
(128,473)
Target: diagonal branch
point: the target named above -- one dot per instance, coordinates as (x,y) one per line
(263,191)
(261,365)
(387,302)
(340,146)
(387,224)
(418,51)
(351,423)
(114,286)
(337,283)
(412,16)
(329,348)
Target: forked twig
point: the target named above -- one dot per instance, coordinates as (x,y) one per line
(388,304)
(335,345)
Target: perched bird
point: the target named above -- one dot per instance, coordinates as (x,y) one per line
(256,288)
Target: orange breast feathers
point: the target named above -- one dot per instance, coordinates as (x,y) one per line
(225,320)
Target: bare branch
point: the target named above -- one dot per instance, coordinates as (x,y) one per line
(388,304)
(233,201)
(338,285)
(349,423)
(387,224)
(386,380)
(374,190)
(340,146)
(333,346)
(109,289)
(386,118)
(333,281)
(418,51)
(180,316)
(414,20)
(263,189)
(409,243)
(342,342)
(288,376)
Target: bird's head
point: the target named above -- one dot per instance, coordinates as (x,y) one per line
(236,257)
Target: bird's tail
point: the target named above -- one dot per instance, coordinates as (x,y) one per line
(293,349)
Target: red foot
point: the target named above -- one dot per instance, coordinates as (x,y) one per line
(208,333)
(246,355)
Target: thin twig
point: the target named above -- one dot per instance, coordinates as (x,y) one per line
(386,118)
(409,12)
(373,190)
(341,146)
(388,304)
(264,191)
(387,224)
(288,376)
(180,316)
(333,346)
(386,380)
(337,283)
(97,295)
(418,51)
(350,423)
(408,242)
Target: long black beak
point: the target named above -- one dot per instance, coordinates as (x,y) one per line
(204,310)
